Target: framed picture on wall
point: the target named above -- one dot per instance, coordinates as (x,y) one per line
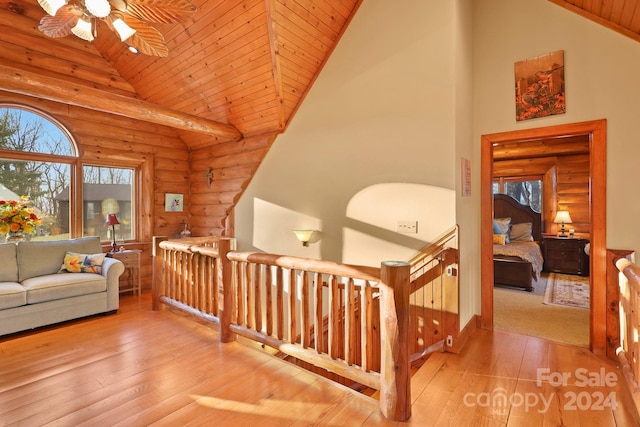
(540,88)
(173,202)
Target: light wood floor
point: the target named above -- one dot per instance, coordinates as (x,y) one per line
(142,368)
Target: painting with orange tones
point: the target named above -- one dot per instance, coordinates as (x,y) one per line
(540,86)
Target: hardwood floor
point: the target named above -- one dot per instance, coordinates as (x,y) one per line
(143,368)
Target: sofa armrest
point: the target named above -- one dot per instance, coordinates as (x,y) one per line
(111,270)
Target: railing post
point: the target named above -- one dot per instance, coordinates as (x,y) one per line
(225,282)
(395,376)
(157,276)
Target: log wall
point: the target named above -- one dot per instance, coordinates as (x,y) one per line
(111,139)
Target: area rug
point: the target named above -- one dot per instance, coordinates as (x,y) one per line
(567,290)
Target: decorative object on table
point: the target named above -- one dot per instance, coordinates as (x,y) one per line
(173,202)
(18,219)
(562,217)
(112,221)
(185,233)
(128,19)
(304,235)
(540,90)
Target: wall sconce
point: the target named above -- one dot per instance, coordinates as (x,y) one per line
(562,217)
(112,221)
(304,235)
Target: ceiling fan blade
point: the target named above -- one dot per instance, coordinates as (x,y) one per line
(146,39)
(161,11)
(61,24)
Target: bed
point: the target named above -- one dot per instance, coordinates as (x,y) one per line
(517,258)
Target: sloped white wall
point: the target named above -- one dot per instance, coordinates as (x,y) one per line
(375,141)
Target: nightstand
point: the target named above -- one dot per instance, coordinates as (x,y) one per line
(565,255)
(131,261)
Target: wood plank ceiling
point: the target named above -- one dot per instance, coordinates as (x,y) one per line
(235,69)
(622,16)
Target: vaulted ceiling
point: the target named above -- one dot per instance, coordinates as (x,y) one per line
(235,68)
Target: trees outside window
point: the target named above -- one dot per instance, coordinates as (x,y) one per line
(39,160)
(526,191)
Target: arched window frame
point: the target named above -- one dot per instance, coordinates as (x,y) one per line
(142,203)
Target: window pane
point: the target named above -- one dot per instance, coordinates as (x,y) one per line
(22,130)
(525,192)
(46,184)
(108,191)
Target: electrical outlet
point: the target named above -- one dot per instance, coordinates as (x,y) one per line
(410,227)
(449,341)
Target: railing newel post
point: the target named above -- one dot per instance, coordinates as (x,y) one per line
(395,374)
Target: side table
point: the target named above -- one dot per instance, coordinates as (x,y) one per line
(131,260)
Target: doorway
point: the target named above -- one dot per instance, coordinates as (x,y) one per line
(596,131)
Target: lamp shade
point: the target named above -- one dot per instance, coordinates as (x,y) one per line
(303,235)
(112,219)
(562,217)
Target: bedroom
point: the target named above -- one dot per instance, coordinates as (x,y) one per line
(558,172)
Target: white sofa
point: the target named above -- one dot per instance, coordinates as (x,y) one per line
(34,293)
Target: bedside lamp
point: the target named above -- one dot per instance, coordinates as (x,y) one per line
(112,221)
(562,217)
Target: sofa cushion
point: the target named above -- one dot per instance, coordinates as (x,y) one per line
(83,263)
(63,285)
(12,294)
(41,258)
(9,264)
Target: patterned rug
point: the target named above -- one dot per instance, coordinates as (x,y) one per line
(567,290)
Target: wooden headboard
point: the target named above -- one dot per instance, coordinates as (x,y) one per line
(506,206)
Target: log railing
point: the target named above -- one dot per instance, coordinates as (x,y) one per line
(289,303)
(434,296)
(629,351)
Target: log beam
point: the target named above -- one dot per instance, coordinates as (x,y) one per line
(32,84)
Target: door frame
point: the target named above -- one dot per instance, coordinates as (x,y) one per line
(597,131)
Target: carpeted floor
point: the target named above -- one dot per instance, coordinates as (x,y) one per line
(524,313)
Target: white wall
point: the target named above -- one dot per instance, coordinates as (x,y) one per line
(601,74)
(408,92)
(374,143)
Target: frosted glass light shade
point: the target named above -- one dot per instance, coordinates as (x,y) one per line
(98,8)
(52,6)
(123,30)
(83,30)
(304,235)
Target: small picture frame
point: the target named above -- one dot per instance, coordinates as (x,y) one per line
(173,202)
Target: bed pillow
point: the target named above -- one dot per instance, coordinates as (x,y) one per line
(499,239)
(82,263)
(521,232)
(501,226)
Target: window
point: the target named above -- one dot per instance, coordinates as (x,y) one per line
(525,191)
(38,159)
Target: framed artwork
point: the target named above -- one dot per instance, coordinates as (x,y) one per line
(540,86)
(173,202)
(465,168)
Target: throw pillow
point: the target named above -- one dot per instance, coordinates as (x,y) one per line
(499,239)
(83,263)
(521,232)
(501,226)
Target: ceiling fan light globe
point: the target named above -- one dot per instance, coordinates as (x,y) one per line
(124,31)
(83,30)
(52,6)
(98,8)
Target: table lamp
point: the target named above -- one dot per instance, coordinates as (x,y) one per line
(112,220)
(562,217)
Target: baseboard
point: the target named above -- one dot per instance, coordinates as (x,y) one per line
(463,337)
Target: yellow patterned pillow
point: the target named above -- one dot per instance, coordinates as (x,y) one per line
(499,239)
(82,263)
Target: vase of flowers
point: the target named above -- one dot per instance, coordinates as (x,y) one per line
(18,219)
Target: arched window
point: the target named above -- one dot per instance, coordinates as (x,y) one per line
(39,161)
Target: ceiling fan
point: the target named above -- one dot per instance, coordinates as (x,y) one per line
(129,19)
